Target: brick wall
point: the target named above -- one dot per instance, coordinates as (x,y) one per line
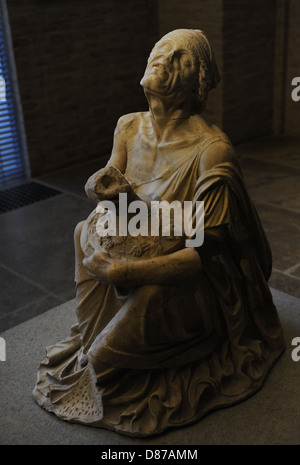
(280,65)
(79,65)
(292,109)
(261,56)
(248,74)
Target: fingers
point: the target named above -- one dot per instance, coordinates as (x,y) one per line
(87,263)
(98,265)
(90,266)
(102,258)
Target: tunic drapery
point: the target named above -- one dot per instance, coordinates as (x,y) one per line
(163,356)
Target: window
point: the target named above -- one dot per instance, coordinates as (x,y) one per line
(11,159)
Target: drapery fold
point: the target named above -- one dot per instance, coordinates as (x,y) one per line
(165,356)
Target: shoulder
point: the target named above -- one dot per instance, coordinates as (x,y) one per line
(216,153)
(216,148)
(129,121)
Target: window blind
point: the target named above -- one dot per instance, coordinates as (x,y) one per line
(11,162)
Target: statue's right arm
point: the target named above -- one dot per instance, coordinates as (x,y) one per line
(165,269)
(118,156)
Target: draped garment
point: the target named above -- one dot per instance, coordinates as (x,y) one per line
(163,356)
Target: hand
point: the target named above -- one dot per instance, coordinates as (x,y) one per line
(104,269)
(98,266)
(107,184)
(166,269)
(90,187)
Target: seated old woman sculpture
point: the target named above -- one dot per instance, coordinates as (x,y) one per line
(196,328)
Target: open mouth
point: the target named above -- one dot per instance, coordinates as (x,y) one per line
(156,91)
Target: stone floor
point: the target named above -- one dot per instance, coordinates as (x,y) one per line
(36,241)
(270,417)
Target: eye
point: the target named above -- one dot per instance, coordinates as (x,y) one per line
(185,61)
(182,58)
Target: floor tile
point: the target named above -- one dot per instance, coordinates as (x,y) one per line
(73,179)
(19,315)
(280,150)
(272,183)
(16,291)
(37,241)
(294,271)
(285,283)
(282,229)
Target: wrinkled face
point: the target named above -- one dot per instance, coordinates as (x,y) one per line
(171,69)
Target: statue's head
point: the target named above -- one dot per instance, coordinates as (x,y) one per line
(182,65)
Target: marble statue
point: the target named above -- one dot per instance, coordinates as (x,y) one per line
(164,338)
(97,237)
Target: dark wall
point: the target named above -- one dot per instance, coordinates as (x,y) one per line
(292,108)
(248,70)
(242,33)
(79,65)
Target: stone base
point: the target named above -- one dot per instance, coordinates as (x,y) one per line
(271,416)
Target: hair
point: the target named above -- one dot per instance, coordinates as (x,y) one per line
(204,86)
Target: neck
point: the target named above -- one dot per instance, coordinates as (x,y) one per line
(166,117)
